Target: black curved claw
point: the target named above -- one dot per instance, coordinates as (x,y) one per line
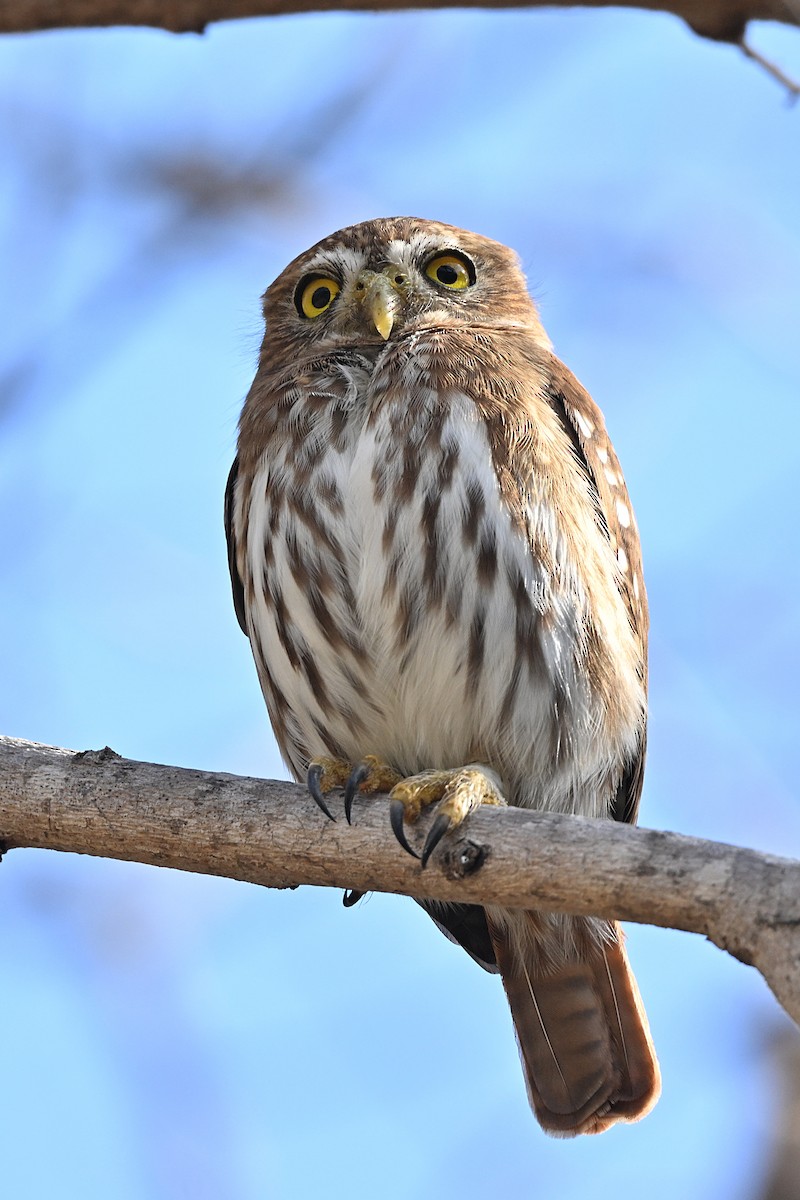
(312,783)
(396,811)
(435,834)
(351,897)
(357,777)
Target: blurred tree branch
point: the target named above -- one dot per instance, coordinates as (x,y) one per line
(271,833)
(722,20)
(783,1122)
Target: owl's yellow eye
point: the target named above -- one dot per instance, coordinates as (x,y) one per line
(453,271)
(315,295)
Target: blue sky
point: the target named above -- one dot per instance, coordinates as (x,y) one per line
(173,1035)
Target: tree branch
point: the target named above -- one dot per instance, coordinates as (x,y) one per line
(722,20)
(270,833)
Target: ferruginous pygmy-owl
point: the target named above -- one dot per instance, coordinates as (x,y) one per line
(435,559)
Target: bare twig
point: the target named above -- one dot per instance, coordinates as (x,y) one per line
(269,833)
(724,20)
(791,85)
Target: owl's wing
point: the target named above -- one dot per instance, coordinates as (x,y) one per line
(583,422)
(230,535)
(465,926)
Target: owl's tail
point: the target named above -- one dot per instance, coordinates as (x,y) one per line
(582,1030)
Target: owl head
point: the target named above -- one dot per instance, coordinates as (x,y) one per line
(391,277)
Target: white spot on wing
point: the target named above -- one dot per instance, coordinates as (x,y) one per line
(623,514)
(622,559)
(602,454)
(611,476)
(636,586)
(586,427)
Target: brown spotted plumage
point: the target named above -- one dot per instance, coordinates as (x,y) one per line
(434,556)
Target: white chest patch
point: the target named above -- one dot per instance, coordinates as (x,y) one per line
(402,613)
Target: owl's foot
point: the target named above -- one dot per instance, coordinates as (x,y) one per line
(370,775)
(324,774)
(458,793)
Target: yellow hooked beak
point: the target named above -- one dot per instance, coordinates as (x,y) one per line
(380,299)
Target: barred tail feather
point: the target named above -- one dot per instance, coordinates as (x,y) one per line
(583,1036)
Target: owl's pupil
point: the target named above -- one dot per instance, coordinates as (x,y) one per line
(321,297)
(447,274)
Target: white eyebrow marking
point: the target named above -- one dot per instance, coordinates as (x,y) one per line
(342,259)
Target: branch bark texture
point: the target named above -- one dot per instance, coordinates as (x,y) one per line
(723,20)
(271,833)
